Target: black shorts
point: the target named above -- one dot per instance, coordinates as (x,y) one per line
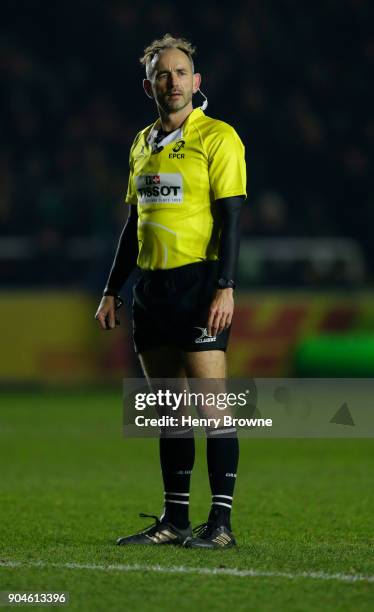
(170,308)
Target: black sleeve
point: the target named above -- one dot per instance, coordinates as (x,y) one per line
(126,255)
(229,212)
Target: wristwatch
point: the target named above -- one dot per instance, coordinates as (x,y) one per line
(224,283)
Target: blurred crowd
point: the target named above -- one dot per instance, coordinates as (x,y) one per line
(295,79)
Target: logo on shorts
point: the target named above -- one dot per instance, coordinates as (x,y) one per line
(204,337)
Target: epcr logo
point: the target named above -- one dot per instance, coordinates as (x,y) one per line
(178,146)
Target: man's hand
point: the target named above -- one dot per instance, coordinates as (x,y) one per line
(221,311)
(106,313)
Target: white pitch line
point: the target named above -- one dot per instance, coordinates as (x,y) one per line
(206,571)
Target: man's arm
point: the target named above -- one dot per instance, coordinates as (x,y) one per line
(123,264)
(229,211)
(222,306)
(126,255)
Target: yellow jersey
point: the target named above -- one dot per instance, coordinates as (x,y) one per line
(175,185)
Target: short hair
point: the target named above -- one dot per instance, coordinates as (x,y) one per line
(166,42)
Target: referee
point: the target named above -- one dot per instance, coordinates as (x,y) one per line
(187,184)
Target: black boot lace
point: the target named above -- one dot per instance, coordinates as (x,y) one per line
(157,523)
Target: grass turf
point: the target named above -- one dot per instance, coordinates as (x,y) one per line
(71,484)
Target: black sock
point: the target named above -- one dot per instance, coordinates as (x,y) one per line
(177,456)
(223,457)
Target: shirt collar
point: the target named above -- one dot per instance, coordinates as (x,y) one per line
(176,135)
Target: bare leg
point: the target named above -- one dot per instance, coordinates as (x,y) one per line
(210,367)
(163,362)
(205,364)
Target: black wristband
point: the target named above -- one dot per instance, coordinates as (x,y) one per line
(224,283)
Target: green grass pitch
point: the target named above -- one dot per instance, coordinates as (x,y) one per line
(71,484)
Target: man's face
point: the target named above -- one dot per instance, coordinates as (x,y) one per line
(172,80)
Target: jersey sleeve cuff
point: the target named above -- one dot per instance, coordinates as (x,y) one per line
(230,194)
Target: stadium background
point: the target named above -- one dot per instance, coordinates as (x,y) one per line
(294,79)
